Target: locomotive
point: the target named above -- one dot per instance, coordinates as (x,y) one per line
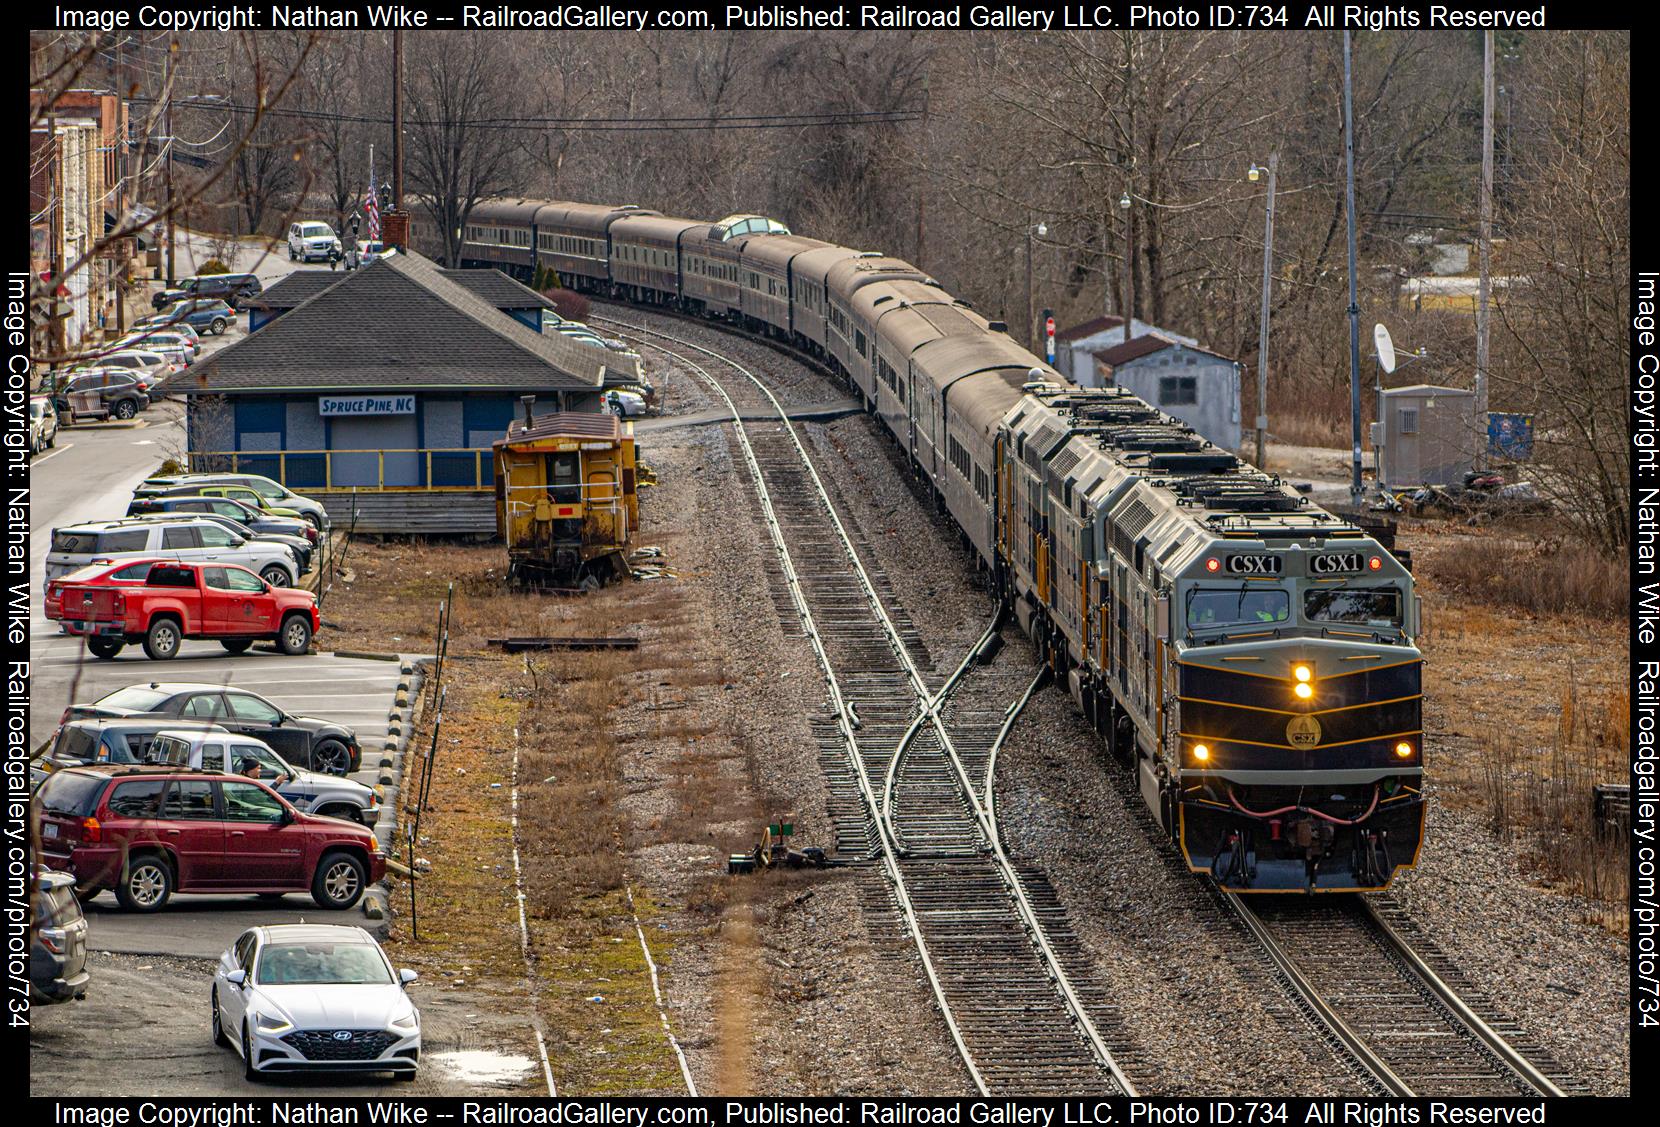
(1250,655)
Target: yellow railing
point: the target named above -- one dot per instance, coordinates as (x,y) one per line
(461,469)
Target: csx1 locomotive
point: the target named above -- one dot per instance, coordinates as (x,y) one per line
(1249,653)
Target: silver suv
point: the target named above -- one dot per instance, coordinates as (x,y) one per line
(192,538)
(312,242)
(243,755)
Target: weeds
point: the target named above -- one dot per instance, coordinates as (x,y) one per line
(1547,576)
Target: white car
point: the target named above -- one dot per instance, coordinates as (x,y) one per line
(314,998)
(368,252)
(233,753)
(175,346)
(625,404)
(313,242)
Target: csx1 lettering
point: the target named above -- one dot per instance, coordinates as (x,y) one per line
(1254,565)
(1329,565)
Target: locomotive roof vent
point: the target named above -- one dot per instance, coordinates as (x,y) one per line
(998,326)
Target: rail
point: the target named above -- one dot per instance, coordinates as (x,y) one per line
(847,723)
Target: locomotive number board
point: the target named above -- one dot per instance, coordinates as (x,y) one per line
(1254,565)
(1336,563)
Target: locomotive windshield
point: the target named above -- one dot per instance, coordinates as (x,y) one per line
(1364,606)
(1236,606)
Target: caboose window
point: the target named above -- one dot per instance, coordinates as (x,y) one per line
(1365,606)
(1237,606)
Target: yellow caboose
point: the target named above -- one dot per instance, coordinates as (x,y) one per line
(566,497)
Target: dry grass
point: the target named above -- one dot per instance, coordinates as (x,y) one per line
(1542,575)
(1305,428)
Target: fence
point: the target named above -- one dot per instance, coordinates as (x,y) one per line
(412,826)
(321,471)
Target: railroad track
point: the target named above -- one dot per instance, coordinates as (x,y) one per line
(1401,1015)
(909,759)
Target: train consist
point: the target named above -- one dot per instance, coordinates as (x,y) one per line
(1250,653)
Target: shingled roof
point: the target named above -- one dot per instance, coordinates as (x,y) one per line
(1134,349)
(398,323)
(493,286)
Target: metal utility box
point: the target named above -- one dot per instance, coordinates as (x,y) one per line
(1425,435)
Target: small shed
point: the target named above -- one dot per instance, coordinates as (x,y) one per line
(1077,345)
(1197,386)
(1425,435)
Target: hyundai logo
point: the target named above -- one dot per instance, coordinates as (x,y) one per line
(342,1034)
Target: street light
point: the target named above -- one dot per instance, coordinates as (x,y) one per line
(1038,229)
(1254,174)
(1129,265)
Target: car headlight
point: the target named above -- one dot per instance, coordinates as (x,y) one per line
(272,1023)
(406,1022)
(377,794)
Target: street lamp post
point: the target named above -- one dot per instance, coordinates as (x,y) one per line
(1039,230)
(1129,265)
(1267,280)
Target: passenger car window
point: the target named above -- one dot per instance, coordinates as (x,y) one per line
(176,538)
(215,537)
(215,577)
(248,802)
(239,580)
(188,800)
(247,707)
(244,950)
(133,573)
(136,799)
(206,706)
(213,757)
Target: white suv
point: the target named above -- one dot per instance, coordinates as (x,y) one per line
(312,242)
(174,538)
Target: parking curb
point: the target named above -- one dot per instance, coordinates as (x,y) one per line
(376,902)
(367,656)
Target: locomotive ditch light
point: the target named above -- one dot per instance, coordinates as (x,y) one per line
(1201,753)
(1404,749)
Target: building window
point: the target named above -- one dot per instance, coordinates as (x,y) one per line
(1409,420)
(1178,390)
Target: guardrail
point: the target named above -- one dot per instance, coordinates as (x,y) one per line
(440,470)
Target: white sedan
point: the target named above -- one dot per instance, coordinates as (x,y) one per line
(315,998)
(625,404)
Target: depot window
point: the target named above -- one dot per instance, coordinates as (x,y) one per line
(1363,606)
(1237,606)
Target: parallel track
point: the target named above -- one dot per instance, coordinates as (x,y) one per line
(992,937)
(1388,1005)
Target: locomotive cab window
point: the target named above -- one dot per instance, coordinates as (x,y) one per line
(1237,606)
(1366,606)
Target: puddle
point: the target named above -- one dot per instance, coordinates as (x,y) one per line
(482,1066)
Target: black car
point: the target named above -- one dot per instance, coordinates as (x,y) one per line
(232,289)
(305,741)
(57,957)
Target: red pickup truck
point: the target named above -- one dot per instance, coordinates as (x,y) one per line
(189,600)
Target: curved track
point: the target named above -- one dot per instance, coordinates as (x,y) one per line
(1388,1006)
(1008,975)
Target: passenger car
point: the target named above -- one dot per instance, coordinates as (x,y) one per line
(57,952)
(625,404)
(43,423)
(148,832)
(205,314)
(229,288)
(305,741)
(166,323)
(101,393)
(215,749)
(254,519)
(222,602)
(117,573)
(312,242)
(102,740)
(271,492)
(314,998)
(368,252)
(184,537)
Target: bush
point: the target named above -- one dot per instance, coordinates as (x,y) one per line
(1547,577)
(569,304)
(213,266)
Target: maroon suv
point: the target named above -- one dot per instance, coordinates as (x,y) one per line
(148,832)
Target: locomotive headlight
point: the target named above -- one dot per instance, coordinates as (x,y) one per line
(1201,753)
(1404,750)
(1303,690)
(1303,673)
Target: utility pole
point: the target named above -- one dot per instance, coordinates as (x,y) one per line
(1129,263)
(1484,249)
(56,196)
(172,217)
(1354,299)
(1262,333)
(397,121)
(922,193)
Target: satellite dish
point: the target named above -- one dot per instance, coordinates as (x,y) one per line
(1386,348)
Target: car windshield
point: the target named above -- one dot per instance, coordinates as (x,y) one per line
(312,230)
(139,698)
(1237,606)
(314,964)
(67,792)
(37,408)
(1366,606)
(74,742)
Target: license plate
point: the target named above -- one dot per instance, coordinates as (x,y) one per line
(49,829)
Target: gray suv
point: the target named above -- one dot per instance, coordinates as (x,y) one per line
(187,537)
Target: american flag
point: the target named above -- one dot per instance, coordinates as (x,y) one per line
(371,205)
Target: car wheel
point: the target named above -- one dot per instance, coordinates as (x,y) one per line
(218,327)
(342,810)
(295,638)
(163,640)
(219,1037)
(331,758)
(53,441)
(316,521)
(236,645)
(338,882)
(618,410)
(124,409)
(249,1072)
(277,576)
(105,648)
(146,885)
